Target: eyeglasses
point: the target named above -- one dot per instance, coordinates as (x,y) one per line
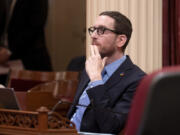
(100,30)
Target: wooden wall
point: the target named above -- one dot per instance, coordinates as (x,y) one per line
(64,31)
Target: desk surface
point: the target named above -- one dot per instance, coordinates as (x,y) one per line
(90,133)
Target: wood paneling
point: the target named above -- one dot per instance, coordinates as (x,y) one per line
(65,31)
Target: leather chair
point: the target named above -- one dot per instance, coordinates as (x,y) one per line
(155,108)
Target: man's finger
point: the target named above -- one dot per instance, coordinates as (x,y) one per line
(92,50)
(96,51)
(104,61)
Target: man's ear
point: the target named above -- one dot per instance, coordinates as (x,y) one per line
(121,40)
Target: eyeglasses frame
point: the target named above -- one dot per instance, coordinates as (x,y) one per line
(104,29)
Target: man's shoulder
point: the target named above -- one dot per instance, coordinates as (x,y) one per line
(131,71)
(137,69)
(135,74)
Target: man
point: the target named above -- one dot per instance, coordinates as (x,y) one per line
(110,78)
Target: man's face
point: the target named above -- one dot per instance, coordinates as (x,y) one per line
(105,42)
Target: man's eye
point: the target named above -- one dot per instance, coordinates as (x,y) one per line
(101,29)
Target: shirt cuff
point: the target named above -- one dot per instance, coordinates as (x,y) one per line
(95,83)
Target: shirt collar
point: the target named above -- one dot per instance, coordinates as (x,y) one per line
(111,68)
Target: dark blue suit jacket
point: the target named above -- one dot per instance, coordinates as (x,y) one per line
(110,103)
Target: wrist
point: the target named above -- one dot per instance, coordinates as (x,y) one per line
(95,78)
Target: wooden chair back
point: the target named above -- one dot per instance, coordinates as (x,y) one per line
(21,97)
(23,80)
(48,94)
(59,89)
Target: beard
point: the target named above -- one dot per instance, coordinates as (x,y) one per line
(104,51)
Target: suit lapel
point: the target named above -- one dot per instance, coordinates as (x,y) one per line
(116,77)
(119,74)
(82,86)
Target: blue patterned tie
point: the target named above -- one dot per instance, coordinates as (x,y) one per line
(104,75)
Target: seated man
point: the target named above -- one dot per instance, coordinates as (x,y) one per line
(109,81)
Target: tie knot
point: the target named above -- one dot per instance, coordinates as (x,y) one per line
(103,73)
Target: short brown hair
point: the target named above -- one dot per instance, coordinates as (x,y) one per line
(122,24)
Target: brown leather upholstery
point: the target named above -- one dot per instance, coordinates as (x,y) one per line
(23,80)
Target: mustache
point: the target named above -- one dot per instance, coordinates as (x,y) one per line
(95,42)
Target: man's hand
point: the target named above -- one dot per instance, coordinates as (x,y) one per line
(4,55)
(95,64)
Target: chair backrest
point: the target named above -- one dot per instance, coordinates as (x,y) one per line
(59,89)
(48,94)
(155,107)
(21,97)
(23,80)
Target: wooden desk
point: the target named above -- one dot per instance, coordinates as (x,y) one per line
(13,122)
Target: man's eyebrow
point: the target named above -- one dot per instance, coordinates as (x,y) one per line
(100,26)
